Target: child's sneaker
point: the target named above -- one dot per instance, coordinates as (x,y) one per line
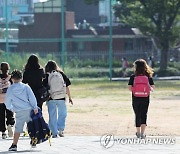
(138,135)
(33,144)
(25,134)
(10,132)
(54,136)
(143,136)
(4,136)
(61,133)
(13,147)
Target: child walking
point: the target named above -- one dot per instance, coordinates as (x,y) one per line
(21,100)
(59,86)
(140,83)
(6,116)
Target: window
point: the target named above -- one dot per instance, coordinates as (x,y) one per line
(128,46)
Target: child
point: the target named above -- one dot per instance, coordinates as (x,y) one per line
(140,103)
(125,65)
(59,87)
(21,100)
(4,112)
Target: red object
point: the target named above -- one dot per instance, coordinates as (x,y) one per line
(141,87)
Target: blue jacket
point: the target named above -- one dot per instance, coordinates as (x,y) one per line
(20,97)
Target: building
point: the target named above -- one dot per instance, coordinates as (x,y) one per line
(14,9)
(83,11)
(44,34)
(46,29)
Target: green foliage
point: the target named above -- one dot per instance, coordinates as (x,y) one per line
(156,18)
(173,69)
(86,69)
(18,60)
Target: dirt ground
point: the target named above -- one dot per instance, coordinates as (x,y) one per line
(100,116)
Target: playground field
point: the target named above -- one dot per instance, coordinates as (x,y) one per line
(102,107)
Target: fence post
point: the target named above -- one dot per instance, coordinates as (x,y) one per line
(62,34)
(110,40)
(7,31)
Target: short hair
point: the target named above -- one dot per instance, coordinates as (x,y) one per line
(16,74)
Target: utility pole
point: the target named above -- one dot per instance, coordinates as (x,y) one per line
(110,39)
(62,34)
(7,31)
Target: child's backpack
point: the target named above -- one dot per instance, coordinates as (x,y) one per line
(141,87)
(38,129)
(57,85)
(4,84)
(43,94)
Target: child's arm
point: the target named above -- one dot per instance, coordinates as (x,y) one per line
(8,101)
(69,95)
(152,87)
(130,87)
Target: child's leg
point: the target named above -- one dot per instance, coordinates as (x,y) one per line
(52,110)
(2,117)
(21,118)
(16,138)
(137,112)
(138,130)
(144,111)
(10,118)
(62,113)
(9,122)
(143,127)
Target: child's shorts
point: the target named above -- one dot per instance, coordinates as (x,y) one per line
(21,118)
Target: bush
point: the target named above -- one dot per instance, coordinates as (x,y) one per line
(169,72)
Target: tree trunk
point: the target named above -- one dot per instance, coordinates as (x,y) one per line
(164,56)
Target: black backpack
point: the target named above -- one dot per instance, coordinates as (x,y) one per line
(43,94)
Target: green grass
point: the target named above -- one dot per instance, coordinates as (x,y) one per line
(118,90)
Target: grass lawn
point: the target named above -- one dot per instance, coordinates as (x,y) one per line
(118,90)
(103,106)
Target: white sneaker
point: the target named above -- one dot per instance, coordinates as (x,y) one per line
(143,136)
(61,133)
(10,132)
(4,136)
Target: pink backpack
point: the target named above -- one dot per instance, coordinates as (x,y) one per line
(141,87)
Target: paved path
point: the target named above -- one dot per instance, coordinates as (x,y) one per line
(91,144)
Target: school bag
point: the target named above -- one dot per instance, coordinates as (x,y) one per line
(43,94)
(57,85)
(38,129)
(141,87)
(4,84)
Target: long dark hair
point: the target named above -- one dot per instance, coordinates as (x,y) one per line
(32,63)
(5,68)
(142,68)
(52,66)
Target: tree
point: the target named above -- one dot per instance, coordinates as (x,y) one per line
(159,19)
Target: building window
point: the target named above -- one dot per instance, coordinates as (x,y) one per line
(128,46)
(81,46)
